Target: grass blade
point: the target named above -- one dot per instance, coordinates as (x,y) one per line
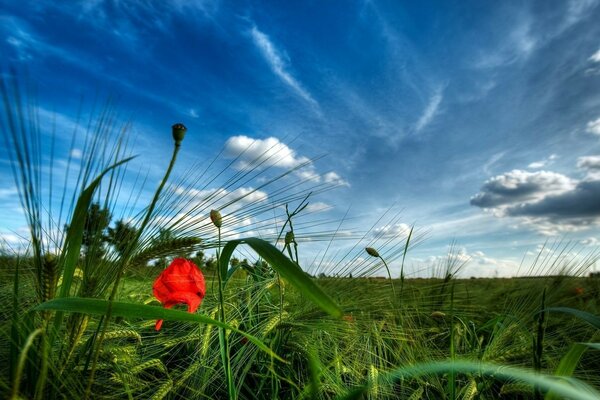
(546,383)
(567,365)
(591,319)
(287,269)
(74,236)
(130,310)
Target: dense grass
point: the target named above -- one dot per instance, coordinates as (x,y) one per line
(78,314)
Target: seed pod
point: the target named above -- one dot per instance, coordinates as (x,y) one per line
(438,315)
(215,217)
(49,276)
(372,252)
(178,133)
(289,237)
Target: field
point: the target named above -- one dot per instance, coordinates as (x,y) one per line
(79,315)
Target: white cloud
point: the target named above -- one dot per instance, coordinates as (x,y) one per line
(270,152)
(430,110)
(317,207)
(308,174)
(593,127)
(76,153)
(547,202)
(592,166)
(192,112)
(518,186)
(542,163)
(537,165)
(266,152)
(335,179)
(8,192)
(277,64)
(219,196)
(591,241)
(595,57)
(399,230)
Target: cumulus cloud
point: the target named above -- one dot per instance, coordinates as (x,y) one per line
(219,197)
(392,230)
(595,57)
(592,166)
(270,152)
(589,162)
(266,152)
(545,201)
(591,241)
(334,179)
(593,127)
(518,186)
(580,203)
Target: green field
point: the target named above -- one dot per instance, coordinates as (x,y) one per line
(490,321)
(78,312)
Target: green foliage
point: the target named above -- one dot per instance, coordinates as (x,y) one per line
(288,270)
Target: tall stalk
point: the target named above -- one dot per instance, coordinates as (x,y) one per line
(217,220)
(178,135)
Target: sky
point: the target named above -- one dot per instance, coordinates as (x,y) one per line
(476,122)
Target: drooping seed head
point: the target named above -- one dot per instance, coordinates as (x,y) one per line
(438,315)
(289,237)
(372,252)
(215,217)
(178,133)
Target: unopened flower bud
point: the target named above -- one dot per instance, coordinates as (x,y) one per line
(178,133)
(215,217)
(372,252)
(289,237)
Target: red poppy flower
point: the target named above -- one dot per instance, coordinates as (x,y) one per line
(180,283)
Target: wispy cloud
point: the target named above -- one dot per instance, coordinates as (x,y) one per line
(277,64)
(430,111)
(543,163)
(593,127)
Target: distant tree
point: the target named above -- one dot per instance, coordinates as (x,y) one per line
(95,233)
(121,236)
(211,264)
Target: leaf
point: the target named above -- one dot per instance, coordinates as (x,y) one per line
(595,346)
(288,270)
(591,319)
(567,365)
(130,310)
(74,236)
(571,389)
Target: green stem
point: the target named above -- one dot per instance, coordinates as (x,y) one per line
(125,261)
(21,363)
(224,341)
(389,276)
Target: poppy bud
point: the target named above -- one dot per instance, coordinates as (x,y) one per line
(372,252)
(178,133)
(289,237)
(215,217)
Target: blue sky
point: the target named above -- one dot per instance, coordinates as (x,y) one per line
(477,121)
